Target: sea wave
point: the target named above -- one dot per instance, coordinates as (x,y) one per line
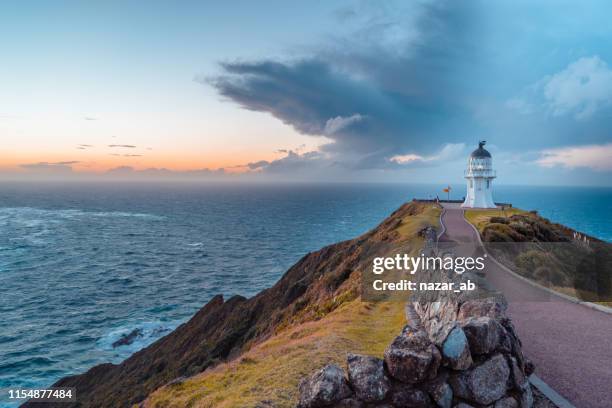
(25,363)
(128,339)
(34,217)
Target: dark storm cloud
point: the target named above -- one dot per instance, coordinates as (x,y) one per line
(315,99)
(414,78)
(370,101)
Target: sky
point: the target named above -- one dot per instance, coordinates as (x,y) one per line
(314,91)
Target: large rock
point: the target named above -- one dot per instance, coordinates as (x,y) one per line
(451,340)
(484,334)
(458,382)
(483,384)
(367,377)
(517,376)
(489,307)
(443,311)
(324,388)
(440,391)
(514,343)
(406,396)
(412,357)
(456,350)
(443,396)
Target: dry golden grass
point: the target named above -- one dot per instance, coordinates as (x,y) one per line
(480,218)
(412,224)
(268,374)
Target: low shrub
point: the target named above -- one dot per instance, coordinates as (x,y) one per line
(522,228)
(530,261)
(496,232)
(550,276)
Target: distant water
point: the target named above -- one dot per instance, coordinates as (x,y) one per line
(83,265)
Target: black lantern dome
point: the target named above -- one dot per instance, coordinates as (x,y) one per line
(481,152)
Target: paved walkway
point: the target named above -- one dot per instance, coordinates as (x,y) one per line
(570,344)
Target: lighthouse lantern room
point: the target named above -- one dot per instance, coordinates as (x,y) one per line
(479,175)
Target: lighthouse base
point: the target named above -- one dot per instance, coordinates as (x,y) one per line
(484,207)
(479,194)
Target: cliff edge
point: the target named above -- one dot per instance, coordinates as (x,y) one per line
(322,285)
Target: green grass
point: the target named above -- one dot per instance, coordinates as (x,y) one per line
(480,218)
(413,223)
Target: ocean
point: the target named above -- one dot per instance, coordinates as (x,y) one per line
(84,265)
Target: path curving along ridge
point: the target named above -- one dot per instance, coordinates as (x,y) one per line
(570,344)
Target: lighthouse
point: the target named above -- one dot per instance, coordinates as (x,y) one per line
(479,175)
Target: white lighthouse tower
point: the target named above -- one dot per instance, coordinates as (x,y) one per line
(479,175)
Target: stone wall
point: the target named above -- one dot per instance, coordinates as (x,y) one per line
(451,354)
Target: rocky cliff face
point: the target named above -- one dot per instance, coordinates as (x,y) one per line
(221,330)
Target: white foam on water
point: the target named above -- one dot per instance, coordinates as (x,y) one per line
(31,216)
(148,333)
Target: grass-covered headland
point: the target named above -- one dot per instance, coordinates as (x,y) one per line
(548,253)
(252,352)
